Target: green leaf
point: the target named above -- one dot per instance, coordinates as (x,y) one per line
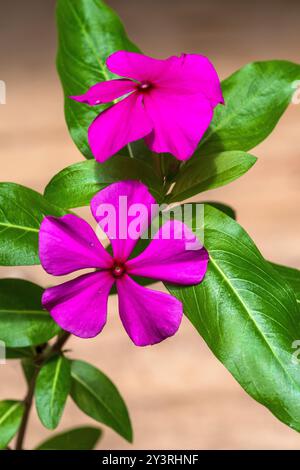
(21,213)
(11,413)
(291,276)
(84,438)
(88,32)
(204,173)
(77,184)
(256,96)
(23,322)
(52,390)
(248,316)
(223,208)
(19,353)
(97,396)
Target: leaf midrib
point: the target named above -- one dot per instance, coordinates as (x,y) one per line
(53,388)
(9,412)
(89,41)
(24,312)
(252,319)
(19,227)
(97,398)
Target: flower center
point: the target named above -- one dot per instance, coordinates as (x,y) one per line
(118,270)
(144,86)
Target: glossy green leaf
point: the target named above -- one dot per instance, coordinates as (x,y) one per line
(97,396)
(223,208)
(88,32)
(11,413)
(23,322)
(52,390)
(204,173)
(248,316)
(21,213)
(77,184)
(84,438)
(291,276)
(256,96)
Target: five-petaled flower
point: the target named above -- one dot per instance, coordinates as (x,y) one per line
(168,102)
(68,244)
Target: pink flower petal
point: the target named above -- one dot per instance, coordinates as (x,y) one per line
(67,244)
(148,316)
(179,122)
(105,92)
(187,74)
(115,127)
(137,66)
(80,306)
(193,74)
(123,211)
(178,258)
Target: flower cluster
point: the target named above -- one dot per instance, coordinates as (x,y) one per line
(170,104)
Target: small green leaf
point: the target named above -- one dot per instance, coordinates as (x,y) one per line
(291,276)
(97,396)
(19,353)
(11,413)
(52,390)
(77,184)
(248,316)
(21,213)
(88,32)
(256,96)
(84,438)
(23,322)
(209,172)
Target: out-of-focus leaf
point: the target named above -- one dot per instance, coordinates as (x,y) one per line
(11,413)
(97,396)
(21,213)
(23,322)
(84,438)
(52,390)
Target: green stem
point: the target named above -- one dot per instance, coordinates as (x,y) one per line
(39,360)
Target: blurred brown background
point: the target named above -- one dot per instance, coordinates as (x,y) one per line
(178,394)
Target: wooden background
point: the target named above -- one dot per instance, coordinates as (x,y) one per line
(178,394)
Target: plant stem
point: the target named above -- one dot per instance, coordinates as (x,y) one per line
(27,404)
(39,361)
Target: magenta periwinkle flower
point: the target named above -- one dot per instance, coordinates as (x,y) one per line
(168,102)
(68,244)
